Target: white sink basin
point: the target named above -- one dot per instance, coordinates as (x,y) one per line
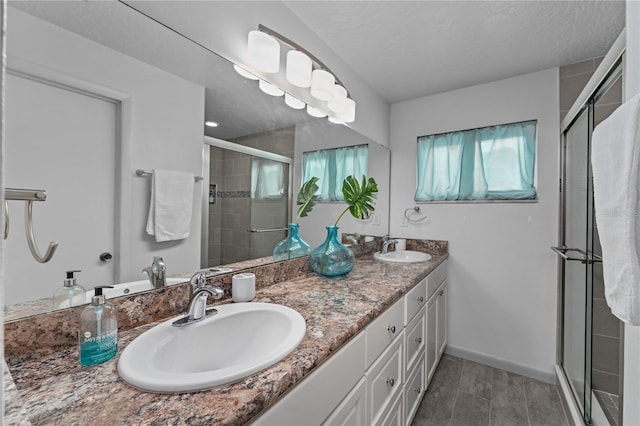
(241,339)
(403,256)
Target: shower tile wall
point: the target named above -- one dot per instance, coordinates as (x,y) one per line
(234,211)
(606,327)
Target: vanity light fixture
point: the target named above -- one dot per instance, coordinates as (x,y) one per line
(244,73)
(270,89)
(264,52)
(211,124)
(303,70)
(293,102)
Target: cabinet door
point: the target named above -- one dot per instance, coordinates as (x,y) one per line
(413,392)
(384,380)
(442,319)
(431,349)
(394,415)
(352,410)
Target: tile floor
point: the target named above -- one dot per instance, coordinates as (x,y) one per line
(610,405)
(465,393)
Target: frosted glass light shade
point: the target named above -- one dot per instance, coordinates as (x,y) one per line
(298,69)
(322,85)
(244,73)
(349,113)
(264,52)
(315,112)
(337,103)
(270,89)
(293,102)
(335,120)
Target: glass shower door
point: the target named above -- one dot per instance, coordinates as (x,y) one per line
(576,353)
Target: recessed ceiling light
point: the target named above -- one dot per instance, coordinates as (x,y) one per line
(211,124)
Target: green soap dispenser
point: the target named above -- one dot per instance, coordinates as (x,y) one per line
(71,294)
(98,330)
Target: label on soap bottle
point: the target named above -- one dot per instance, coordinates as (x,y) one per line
(98,349)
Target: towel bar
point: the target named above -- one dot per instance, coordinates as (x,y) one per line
(141,172)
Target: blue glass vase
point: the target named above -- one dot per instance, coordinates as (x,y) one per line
(332,258)
(291,247)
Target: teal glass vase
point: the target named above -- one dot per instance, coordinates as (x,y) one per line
(332,258)
(291,247)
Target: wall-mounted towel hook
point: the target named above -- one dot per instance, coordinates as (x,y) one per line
(31,239)
(28,196)
(416,209)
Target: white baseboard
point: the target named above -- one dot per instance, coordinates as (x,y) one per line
(533,373)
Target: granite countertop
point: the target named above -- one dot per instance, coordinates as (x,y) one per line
(55,390)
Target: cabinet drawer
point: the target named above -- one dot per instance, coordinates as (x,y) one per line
(384,380)
(415,299)
(383,330)
(414,337)
(414,389)
(436,278)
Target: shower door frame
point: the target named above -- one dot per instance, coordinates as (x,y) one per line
(612,64)
(206,160)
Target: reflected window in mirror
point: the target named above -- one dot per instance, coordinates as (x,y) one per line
(332,166)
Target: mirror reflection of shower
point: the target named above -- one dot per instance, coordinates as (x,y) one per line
(247,199)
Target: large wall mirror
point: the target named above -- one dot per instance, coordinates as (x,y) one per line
(97,90)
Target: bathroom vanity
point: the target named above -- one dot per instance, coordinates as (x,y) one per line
(373,340)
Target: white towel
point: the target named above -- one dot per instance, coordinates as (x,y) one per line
(615,160)
(171,204)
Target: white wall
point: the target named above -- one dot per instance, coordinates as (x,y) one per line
(161,128)
(223,26)
(631,395)
(502,274)
(315,135)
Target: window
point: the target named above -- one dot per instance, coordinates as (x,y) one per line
(332,166)
(489,163)
(268,179)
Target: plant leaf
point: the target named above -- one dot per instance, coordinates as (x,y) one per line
(359,196)
(307,197)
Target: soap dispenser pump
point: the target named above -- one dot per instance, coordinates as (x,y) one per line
(98,330)
(71,294)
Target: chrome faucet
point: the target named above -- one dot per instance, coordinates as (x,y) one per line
(199,293)
(385,245)
(157,272)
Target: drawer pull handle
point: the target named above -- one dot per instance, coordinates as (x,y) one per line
(418,340)
(441,293)
(391,329)
(418,390)
(391,382)
(420,299)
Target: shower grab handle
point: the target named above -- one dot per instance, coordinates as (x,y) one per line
(585,257)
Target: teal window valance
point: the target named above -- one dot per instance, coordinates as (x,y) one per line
(488,163)
(332,166)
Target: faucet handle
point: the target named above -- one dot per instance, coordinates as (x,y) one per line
(198,280)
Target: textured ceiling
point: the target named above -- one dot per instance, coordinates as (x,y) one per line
(409,49)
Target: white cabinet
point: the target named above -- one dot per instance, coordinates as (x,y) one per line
(316,397)
(442,319)
(436,329)
(384,380)
(431,348)
(380,376)
(352,410)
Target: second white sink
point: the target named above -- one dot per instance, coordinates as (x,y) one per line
(403,256)
(241,339)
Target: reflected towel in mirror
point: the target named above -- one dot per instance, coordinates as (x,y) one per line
(171,204)
(615,160)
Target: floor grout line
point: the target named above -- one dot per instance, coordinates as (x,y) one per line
(526,400)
